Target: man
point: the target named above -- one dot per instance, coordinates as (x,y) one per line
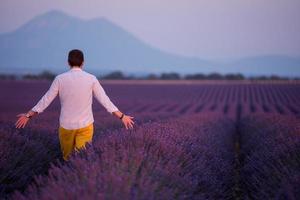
(76,89)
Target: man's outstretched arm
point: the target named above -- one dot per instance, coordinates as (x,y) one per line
(103,99)
(43,103)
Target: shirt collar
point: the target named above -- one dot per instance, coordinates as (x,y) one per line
(75,69)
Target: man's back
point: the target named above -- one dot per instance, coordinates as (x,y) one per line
(76,95)
(75,89)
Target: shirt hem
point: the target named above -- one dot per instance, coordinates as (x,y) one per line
(76,127)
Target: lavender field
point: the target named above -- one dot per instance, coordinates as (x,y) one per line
(201,140)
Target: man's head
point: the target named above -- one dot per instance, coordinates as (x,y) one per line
(75,58)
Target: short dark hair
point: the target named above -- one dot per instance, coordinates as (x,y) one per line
(75,57)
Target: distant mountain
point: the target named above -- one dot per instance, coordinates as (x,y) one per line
(43,43)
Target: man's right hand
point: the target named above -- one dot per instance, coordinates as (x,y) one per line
(127,121)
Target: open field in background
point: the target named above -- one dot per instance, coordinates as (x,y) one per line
(198,82)
(193,140)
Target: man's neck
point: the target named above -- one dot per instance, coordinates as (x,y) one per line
(77,67)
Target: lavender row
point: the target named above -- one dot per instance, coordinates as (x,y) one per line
(186,158)
(177,99)
(24,154)
(270,161)
(29,152)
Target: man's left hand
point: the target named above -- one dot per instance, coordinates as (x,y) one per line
(22,120)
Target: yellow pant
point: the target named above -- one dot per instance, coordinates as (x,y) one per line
(74,139)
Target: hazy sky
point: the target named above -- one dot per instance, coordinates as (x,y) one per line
(214,29)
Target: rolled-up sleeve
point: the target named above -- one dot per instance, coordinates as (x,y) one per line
(103,99)
(49,96)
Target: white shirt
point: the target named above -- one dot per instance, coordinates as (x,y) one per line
(75,89)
